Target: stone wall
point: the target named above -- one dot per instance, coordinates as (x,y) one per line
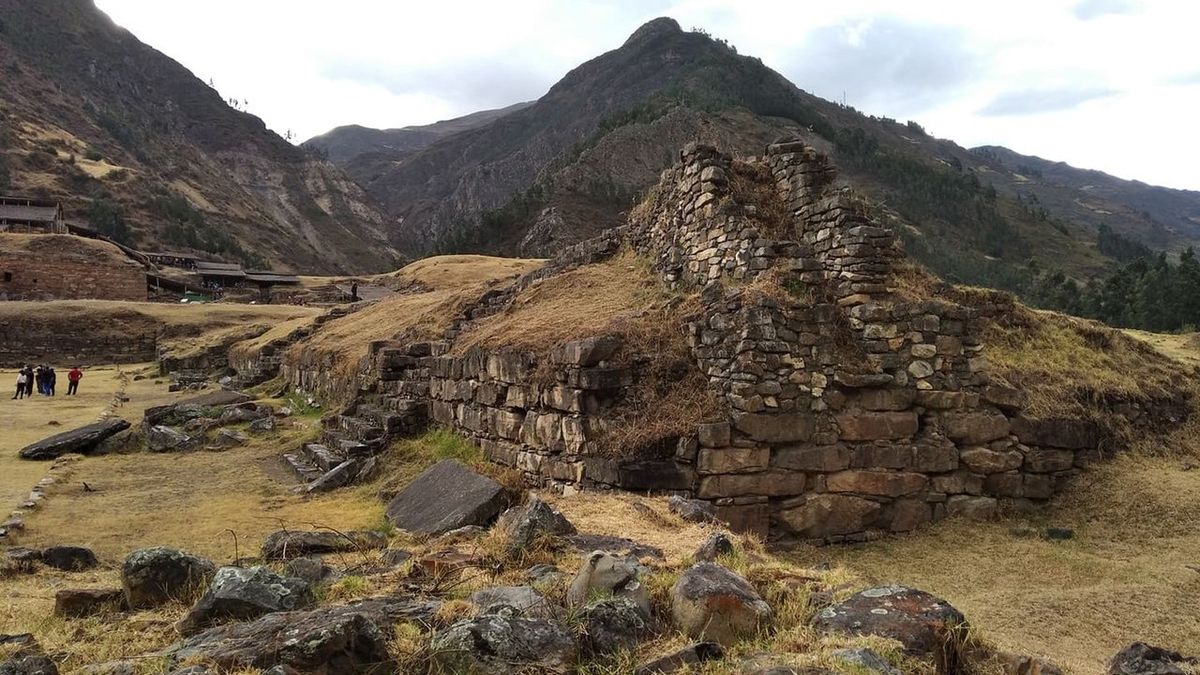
(21,343)
(24,276)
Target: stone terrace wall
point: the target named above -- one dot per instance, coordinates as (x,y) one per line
(24,276)
(19,345)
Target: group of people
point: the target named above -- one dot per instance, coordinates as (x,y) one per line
(44,378)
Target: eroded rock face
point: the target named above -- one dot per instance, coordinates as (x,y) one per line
(524,599)
(611,625)
(523,525)
(83,440)
(154,576)
(713,603)
(238,593)
(604,573)
(924,624)
(1140,658)
(288,544)
(445,497)
(717,544)
(504,642)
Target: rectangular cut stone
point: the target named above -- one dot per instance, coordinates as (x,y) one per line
(876,483)
(777,428)
(946,400)
(885,399)
(811,457)
(932,457)
(1049,460)
(882,456)
(766,484)
(1057,433)
(826,515)
(876,426)
(975,428)
(746,518)
(506,424)
(510,368)
(732,460)
(714,435)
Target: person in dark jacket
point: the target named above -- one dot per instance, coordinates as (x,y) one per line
(29,377)
(51,380)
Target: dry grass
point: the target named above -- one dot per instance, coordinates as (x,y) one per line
(753,184)
(64,247)
(278,332)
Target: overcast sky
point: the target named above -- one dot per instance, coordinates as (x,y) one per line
(1105,84)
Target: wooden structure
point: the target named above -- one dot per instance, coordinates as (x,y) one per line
(32,216)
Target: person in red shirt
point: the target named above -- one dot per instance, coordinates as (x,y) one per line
(73,379)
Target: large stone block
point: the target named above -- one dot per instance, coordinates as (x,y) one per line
(1057,433)
(878,483)
(975,428)
(988,461)
(946,400)
(777,428)
(909,514)
(1048,460)
(445,497)
(975,508)
(827,515)
(732,460)
(82,440)
(935,455)
(586,352)
(764,484)
(885,399)
(811,458)
(875,426)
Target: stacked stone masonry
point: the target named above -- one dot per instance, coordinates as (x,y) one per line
(851,411)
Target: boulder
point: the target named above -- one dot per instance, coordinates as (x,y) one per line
(975,428)
(830,515)
(605,574)
(262,425)
(681,659)
(165,439)
(865,661)
(692,510)
(504,642)
(83,440)
(610,625)
(713,603)
(80,602)
(524,599)
(341,640)
(155,576)
(240,594)
(526,524)
(717,544)
(445,497)
(28,664)
(69,558)
(311,569)
(287,544)
(193,407)
(1140,658)
(924,624)
(228,438)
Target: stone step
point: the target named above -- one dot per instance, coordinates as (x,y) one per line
(348,446)
(303,468)
(388,421)
(359,428)
(320,456)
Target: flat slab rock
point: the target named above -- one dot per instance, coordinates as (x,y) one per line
(83,440)
(447,496)
(923,623)
(288,544)
(224,397)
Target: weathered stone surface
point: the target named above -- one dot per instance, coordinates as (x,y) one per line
(777,428)
(826,515)
(975,428)
(874,426)
(691,655)
(713,603)
(523,525)
(80,602)
(287,544)
(524,599)
(975,508)
(504,642)
(1048,460)
(83,440)
(865,660)
(716,435)
(610,625)
(764,483)
(24,663)
(715,545)
(1057,433)
(1140,658)
(192,407)
(909,514)
(587,352)
(879,483)
(155,576)
(885,399)
(921,622)
(165,439)
(732,460)
(69,558)
(240,594)
(445,497)
(1008,398)
(108,668)
(606,574)
(823,458)
(311,569)
(988,461)
(692,510)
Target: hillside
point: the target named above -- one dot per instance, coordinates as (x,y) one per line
(136,146)
(343,144)
(567,166)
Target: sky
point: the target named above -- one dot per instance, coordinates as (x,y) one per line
(1101,84)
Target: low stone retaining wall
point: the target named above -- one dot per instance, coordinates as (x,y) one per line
(20,345)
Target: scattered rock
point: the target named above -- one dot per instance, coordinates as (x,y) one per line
(606,574)
(524,599)
(540,574)
(713,603)
(311,569)
(23,559)
(262,425)
(287,544)
(28,664)
(693,510)
(165,439)
(921,622)
(83,440)
(717,544)
(239,593)
(1140,658)
(691,655)
(110,668)
(615,545)
(611,625)
(468,533)
(395,557)
(504,642)
(524,525)
(445,497)
(80,602)
(69,558)
(866,661)
(1059,533)
(156,576)
(228,438)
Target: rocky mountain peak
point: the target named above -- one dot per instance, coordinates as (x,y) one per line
(654,29)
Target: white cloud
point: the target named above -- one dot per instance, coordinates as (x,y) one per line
(309,65)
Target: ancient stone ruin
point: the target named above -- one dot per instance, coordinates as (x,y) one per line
(848,408)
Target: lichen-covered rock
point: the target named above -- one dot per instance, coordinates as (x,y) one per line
(865,660)
(611,625)
(717,544)
(28,664)
(288,544)
(154,576)
(311,569)
(238,593)
(69,558)
(1140,658)
(692,510)
(165,439)
(713,603)
(924,624)
(524,525)
(524,599)
(504,642)
(605,574)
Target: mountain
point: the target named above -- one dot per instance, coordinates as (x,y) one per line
(569,164)
(343,144)
(134,144)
